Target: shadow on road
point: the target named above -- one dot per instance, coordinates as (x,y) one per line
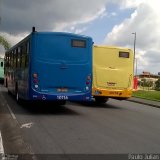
(37,108)
(47,108)
(93,104)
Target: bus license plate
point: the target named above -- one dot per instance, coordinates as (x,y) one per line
(62,90)
(62,97)
(115,93)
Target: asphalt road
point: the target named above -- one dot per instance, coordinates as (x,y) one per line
(119,127)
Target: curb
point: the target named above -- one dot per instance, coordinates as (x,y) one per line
(140,101)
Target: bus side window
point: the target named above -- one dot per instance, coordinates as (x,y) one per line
(27,54)
(9,59)
(19,57)
(23,55)
(14,59)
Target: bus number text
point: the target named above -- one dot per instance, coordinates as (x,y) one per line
(62,97)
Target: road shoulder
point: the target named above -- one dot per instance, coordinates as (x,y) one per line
(145,102)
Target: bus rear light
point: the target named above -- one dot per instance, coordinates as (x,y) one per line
(35,75)
(87,88)
(87,82)
(89,78)
(35,81)
(36,86)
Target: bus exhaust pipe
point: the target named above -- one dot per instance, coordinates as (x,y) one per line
(33,29)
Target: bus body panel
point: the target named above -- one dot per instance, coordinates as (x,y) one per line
(18,76)
(112,74)
(61,69)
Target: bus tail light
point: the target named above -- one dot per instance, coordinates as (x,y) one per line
(35,80)
(88,82)
(88,77)
(35,75)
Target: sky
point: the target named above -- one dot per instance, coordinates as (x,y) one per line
(108,22)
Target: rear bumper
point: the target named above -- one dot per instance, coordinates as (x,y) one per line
(60,97)
(126,93)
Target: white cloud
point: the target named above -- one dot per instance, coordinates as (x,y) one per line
(131,3)
(12,39)
(20,16)
(80,21)
(145,21)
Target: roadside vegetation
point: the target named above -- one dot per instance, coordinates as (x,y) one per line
(145,94)
(4,43)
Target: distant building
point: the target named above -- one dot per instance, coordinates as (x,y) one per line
(148,77)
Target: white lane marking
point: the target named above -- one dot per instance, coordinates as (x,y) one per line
(12,114)
(1,145)
(5,102)
(27,125)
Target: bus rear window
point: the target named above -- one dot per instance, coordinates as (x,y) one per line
(124,54)
(78,43)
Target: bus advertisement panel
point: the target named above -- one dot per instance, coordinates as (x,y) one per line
(52,66)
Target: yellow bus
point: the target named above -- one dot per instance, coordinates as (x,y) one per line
(112,73)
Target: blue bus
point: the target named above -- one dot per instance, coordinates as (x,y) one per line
(51,66)
(1,70)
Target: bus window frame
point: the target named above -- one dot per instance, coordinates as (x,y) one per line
(76,41)
(123,54)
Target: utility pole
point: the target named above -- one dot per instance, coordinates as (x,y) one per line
(135,60)
(0,11)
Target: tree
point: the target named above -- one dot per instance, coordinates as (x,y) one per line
(157,85)
(4,43)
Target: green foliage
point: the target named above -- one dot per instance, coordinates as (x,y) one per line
(4,43)
(157,85)
(146,83)
(151,95)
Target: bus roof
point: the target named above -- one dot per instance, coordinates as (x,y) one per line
(46,33)
(63,34)
(111,47)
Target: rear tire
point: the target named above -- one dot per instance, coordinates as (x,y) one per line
(18,100)
(101,100)
(61,103)
(17,96)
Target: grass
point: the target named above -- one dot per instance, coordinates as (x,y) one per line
(151,95)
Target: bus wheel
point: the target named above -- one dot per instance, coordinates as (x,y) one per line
(61,103)
(17,96)
(101,100)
